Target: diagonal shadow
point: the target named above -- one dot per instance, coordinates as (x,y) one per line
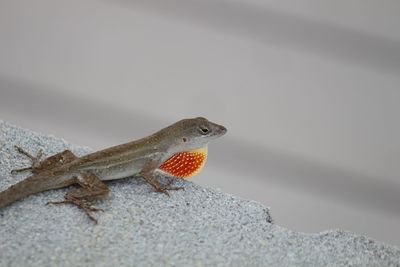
(242,157)
(35,101)
(274,28)
(310,176)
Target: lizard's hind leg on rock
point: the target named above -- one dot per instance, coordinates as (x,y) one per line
(91,188)
(46,164)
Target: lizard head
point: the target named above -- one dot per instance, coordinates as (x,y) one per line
(188,149)
(196,133)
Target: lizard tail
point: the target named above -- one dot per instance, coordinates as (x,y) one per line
(24,188)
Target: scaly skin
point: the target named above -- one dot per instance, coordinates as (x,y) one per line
(142,157)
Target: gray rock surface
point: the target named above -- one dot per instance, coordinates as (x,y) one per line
(194,227)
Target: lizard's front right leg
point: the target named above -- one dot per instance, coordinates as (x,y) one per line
(49,163)
(148,176)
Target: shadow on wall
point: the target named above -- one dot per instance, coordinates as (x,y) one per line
(273,28)
(246,158)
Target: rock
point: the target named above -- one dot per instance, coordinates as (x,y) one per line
(139,227)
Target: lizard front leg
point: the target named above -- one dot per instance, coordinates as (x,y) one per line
(148,175)
(91,188)
(49,163)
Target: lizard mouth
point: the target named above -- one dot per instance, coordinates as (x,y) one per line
(185,164)
(222,130)
(219,130)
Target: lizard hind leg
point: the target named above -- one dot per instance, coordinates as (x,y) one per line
(91,188)
(35,160)
(46,164)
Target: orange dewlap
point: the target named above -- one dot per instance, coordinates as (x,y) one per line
(185,164)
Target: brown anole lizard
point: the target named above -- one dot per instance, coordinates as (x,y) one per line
(179,150)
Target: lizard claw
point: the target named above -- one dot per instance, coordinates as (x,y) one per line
(174,188)
(94,209)
(164,189)
(35,160)
(168,186)
(15,171)
(80,204)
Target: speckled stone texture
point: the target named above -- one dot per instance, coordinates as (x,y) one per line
(194,227)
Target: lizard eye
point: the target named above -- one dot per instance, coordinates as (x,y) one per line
(204,130)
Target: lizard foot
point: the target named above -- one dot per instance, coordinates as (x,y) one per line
(34,159)
(84,205)
(91,188)
(49,163)
(165,188)
(148,176)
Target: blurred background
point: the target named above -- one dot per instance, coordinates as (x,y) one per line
(309,91)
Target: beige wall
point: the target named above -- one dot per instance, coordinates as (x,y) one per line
(309,93)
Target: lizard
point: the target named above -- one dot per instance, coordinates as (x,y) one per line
(178,150)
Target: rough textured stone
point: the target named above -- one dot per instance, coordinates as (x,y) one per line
(194,227)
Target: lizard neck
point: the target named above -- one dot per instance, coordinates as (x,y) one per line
(185,164)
